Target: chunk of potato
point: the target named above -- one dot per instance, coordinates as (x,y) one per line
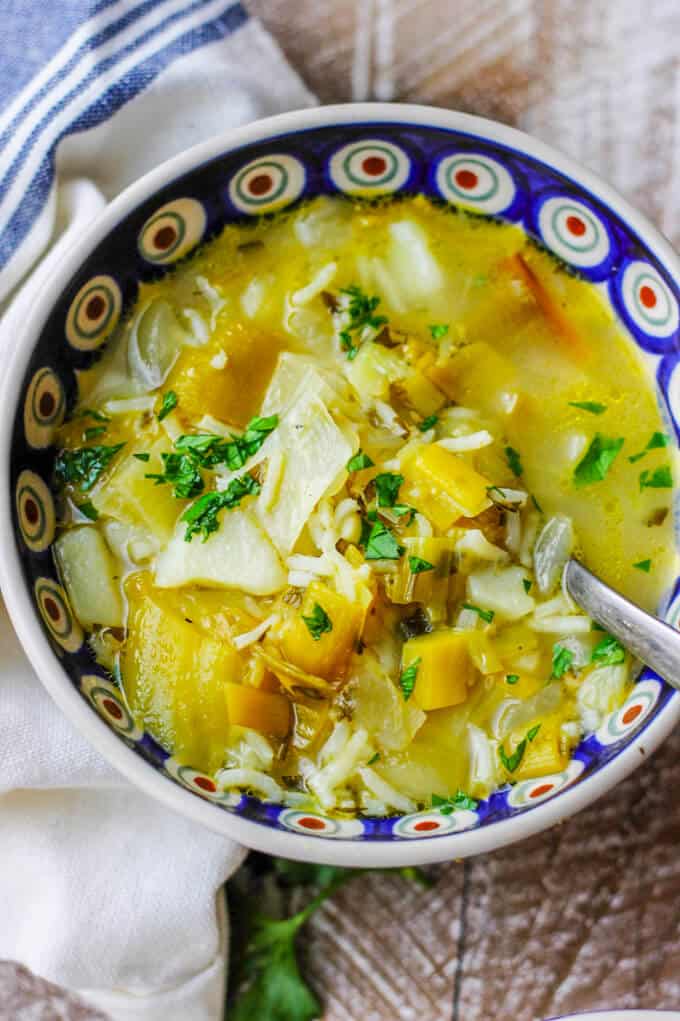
(443,486)
(130,497)
(175,676)
(264,711)
(445,671)
(91,577)
(329,655)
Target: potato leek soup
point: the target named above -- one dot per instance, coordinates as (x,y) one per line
(318,493)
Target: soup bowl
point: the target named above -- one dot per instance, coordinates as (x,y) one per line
(366,150)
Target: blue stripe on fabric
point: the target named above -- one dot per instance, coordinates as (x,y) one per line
(116,96)
(99,69)
(33,33)
(89,44)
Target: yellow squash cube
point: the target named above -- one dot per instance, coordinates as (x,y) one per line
(264,711)
(445,670)
(543,755)
(443,486)
(328,655)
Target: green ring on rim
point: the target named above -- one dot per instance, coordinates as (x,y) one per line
(620,730)
(100,327)
(181,228)
(389,174)
(59,404)
(647,279)
(266,199)
(118,724)
(478,163)
(577,211)
(41,527)
(49,588)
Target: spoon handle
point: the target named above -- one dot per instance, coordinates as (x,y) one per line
(655,643)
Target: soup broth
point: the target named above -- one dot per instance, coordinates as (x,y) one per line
(319,490)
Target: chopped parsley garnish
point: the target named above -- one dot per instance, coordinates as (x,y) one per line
(644,565)
(561,661)
(209,450)
(318,622)
(93,432)
(597,460)
(459,802)
(373,759)
(83,466)
(387,486)
(359,461)
(536,504)
(428,423)
(89,510)
(514,461)
(417,565)
(608,652)
(201,517)
(594,407)
(182,472)
(511,762)
(360,311)
(142,456)
(438,330)
(98,416)
(657,442)
(487,615)
(511,678)
(660,478)
(380,543)
(527,585)
(169,402)
(407,679)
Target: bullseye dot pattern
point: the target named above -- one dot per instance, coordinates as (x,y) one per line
(369,167)
(94,313)
(35,511)
(477,182)
(264,185)
(200,783)
(44,408)
(108,701)
(434,823)
(574,232)
(57,614)
(531,792)
(648,301)
(633,712)
(319,825)
(172,231)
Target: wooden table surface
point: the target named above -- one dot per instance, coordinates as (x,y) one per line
(588,915)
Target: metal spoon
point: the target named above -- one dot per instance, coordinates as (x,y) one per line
(648,638)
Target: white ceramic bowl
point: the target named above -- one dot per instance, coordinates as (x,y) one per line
(305,153)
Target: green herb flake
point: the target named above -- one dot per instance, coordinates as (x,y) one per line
(98,416)
(511,762)
(527,585)
(608,652)
(594,407)
(660,478)
(511,678)
(531,734)
(536,504)
(486,615)
(644,565)
(142,457)
(407,679)
(459,802)
(657,442)
(381,543)
(428,423)
(387,486)
(89,510)
(201,517)
(417,565)
(438,330)
(373,759)
(180,471)
(595,464)
(360,311)
(514,461)
(359,461)
(561,662)
(318,622)
(83,466)
(93,432)
(169,402)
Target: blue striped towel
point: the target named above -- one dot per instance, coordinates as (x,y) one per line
(95,92)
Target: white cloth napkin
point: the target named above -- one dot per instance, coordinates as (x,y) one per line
(103,890)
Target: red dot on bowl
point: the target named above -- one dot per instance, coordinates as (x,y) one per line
(112,708)
(310,823)
(647,296)
(466,179)
(51,608)
(631,714)
(426,825)
(31,511)
(205,783)
(95,306)
(165,237)
(374,165)
(46,404)
(260,184)
(542,789)
(576,226)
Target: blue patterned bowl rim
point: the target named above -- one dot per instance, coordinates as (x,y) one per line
(262,832)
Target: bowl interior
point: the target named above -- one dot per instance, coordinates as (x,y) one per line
(479,169)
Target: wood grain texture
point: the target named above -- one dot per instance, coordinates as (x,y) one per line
(588,915)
